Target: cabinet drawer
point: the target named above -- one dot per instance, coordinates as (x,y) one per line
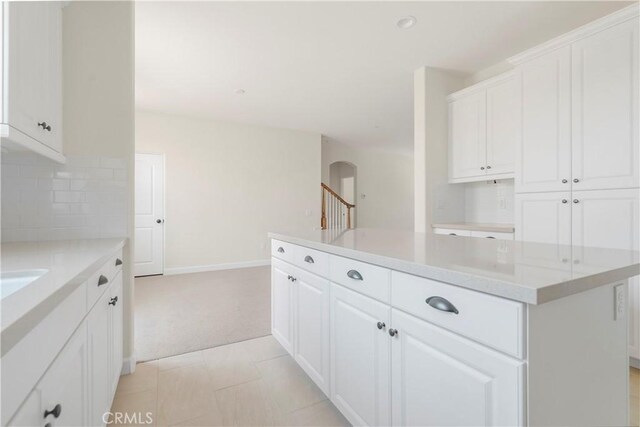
(492,235)
(365,278)
(98,283)
(494,321)
(452,232)
(283,250)
(116,264)
(309,259)
(24,364)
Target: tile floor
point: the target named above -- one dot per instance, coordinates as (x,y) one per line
(252,382)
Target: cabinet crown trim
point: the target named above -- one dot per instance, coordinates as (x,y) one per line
(615,18)
(481,85)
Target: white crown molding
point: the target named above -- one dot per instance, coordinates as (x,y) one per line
(216,267)
(622,15)
(481,85)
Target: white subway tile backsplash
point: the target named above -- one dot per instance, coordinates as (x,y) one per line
(41,200)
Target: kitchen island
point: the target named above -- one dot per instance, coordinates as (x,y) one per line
(402,328)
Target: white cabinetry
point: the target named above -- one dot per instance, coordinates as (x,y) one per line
(360,357)
(482,131)
(60,398)
(77,388)
(482,387)
(543,153)
(311,326)
(282,304)
(32,74)
(543,217)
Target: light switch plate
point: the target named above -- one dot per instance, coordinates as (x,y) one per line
(619,301)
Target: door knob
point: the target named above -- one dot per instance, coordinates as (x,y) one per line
(56,411)
(381,325)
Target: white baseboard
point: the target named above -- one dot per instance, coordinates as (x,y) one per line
(128,365)
(215,267)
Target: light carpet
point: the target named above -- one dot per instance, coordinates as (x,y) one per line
(188,312)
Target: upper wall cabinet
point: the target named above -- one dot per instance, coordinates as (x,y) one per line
(578,107)
(482,131)
(31,107)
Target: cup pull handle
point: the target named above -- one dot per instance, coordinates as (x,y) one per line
(441,304)
(354,274)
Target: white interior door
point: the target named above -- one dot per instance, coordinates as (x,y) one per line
(149,204)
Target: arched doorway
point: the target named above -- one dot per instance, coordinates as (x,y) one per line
(343,180)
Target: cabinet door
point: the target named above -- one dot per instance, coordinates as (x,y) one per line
(116,320)
(360,358)
(439,378)
(311,318)
(99,359)
(543,149)
(501,128)
(609,219)
(66,383)
(543,217)
(605,109)
(35,70)
(281,304)
(467,132)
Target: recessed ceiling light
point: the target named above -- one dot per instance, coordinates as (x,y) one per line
(406,22)
(239,91)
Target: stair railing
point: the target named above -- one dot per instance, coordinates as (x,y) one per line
(336,212)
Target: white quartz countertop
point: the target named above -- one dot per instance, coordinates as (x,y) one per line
(532,273)
(476,226)
(68,263)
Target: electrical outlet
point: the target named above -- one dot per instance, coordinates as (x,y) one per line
(619,302)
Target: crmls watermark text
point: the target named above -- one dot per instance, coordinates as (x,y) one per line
(116,418)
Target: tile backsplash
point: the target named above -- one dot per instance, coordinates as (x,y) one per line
(42,200)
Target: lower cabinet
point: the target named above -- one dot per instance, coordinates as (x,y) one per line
(360,357)
(60,398)
(281,304)
(311,326)
(439,378)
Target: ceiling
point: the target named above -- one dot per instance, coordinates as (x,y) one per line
(343,69)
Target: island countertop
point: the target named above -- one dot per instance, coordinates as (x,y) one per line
(533,273)
(67,264)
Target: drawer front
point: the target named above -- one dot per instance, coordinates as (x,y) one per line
(365,278)
(25,363)
(283,250)
(314,261)
(452,232)
(496,322)
(98,283)
(116,264)
(492,235)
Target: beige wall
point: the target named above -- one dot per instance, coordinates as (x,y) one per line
(228,184)
(384,177)
(98,97)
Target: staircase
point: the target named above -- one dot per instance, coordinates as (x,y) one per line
(336,212)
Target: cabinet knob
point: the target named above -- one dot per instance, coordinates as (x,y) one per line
(56,411)
(393,332)
(564,181)
(102,280)
(564,200)
(381,325)
(118,261)
(354,274)
(488,167)
(44,126)
(113,301)
(576,201)
(309,259)
(576,180)
(481,168)
(441,304)
(158,221)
